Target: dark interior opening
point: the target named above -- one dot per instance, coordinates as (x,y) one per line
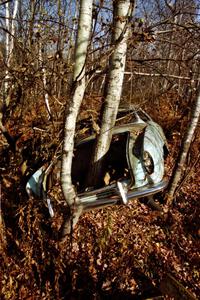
(115,166)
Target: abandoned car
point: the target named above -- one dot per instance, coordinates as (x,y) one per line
(132,168)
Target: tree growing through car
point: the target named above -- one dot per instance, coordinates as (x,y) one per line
(77,93)
(122,11)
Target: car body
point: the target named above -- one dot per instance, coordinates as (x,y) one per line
(132,168)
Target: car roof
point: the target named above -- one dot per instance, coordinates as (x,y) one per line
(136,126)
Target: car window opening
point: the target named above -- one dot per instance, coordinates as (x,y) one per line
(114,168)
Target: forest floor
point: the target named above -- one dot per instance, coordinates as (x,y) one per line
(119,252)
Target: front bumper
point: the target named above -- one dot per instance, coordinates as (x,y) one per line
(117,194)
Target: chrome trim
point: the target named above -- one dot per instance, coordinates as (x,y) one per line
(112,195)
(129,127)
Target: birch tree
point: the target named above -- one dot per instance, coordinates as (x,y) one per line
(10,34)
(121,14)
(44,76)
(78,89)
(184,150)
(9,47)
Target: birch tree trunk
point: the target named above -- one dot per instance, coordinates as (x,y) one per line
(44,76)
(7,46)
(13,27)
(122,12)
(82,42)
(10,27)
(184,151)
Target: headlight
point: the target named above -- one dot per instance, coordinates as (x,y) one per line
(148,162)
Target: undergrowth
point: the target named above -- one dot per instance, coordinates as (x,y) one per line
(114,253)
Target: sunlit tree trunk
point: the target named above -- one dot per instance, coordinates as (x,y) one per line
(180,165)
(44,74)
(13,27)
(7,45)
(44,80)
(122,12)
(78,89)
(10,33)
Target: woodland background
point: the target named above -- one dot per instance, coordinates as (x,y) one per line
(122,252)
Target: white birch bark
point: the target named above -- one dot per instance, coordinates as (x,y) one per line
(184,150)
(13,27)
(10,27)
(7,13)
(82,41)
(8,51)
(44,79)
(122,12)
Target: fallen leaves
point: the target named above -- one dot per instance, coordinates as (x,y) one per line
(114,250)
